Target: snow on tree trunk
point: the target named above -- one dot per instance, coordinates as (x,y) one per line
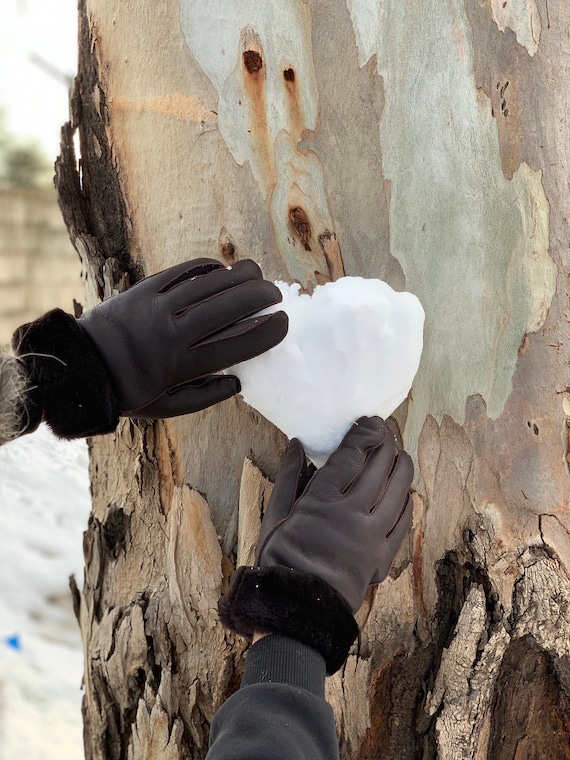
(422,142)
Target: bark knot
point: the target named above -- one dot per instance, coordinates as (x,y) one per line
(252,61)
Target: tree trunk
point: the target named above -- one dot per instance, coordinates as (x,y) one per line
(419,141)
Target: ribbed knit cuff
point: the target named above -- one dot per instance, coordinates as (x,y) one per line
(279,659)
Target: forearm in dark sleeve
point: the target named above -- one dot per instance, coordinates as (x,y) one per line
(280,711)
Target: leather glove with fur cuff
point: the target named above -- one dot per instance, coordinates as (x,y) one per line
(324,538)
(300,606)
(67,380)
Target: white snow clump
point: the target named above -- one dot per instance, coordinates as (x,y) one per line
(352,349)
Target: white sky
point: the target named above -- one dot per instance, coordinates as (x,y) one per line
(36,104)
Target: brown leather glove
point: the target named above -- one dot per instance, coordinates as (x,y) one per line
(163,340)
(323,540)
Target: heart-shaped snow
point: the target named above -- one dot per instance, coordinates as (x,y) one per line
(352,349)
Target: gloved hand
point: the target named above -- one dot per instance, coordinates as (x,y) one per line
(163,340)
(348,523)
(323,540)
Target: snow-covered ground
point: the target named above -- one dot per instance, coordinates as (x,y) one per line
(44,507)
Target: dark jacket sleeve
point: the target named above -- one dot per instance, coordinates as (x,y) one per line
(279,712)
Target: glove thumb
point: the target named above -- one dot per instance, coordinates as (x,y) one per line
(188,398)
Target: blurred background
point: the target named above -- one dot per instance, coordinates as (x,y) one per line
(44,488)
(38,266)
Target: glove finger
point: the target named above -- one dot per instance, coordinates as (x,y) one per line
(290,481)
(236,344)
(367,489)
(189,398)
(397,532)
(185,292)
(169,278)
(394,540)
(390,501)
(349,461)
(224,309)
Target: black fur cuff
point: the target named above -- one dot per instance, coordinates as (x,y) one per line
(30,405)
(302,607)
(69,380)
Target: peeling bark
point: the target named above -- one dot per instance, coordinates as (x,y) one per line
(423,143)
(466,680)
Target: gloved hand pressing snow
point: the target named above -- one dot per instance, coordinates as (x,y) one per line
(323,540)
(153,351)
(164,339)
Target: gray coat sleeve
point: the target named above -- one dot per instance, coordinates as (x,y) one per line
(279,712)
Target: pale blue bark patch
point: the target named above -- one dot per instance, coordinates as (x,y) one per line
(473,245)
(217,33)
(264,115)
